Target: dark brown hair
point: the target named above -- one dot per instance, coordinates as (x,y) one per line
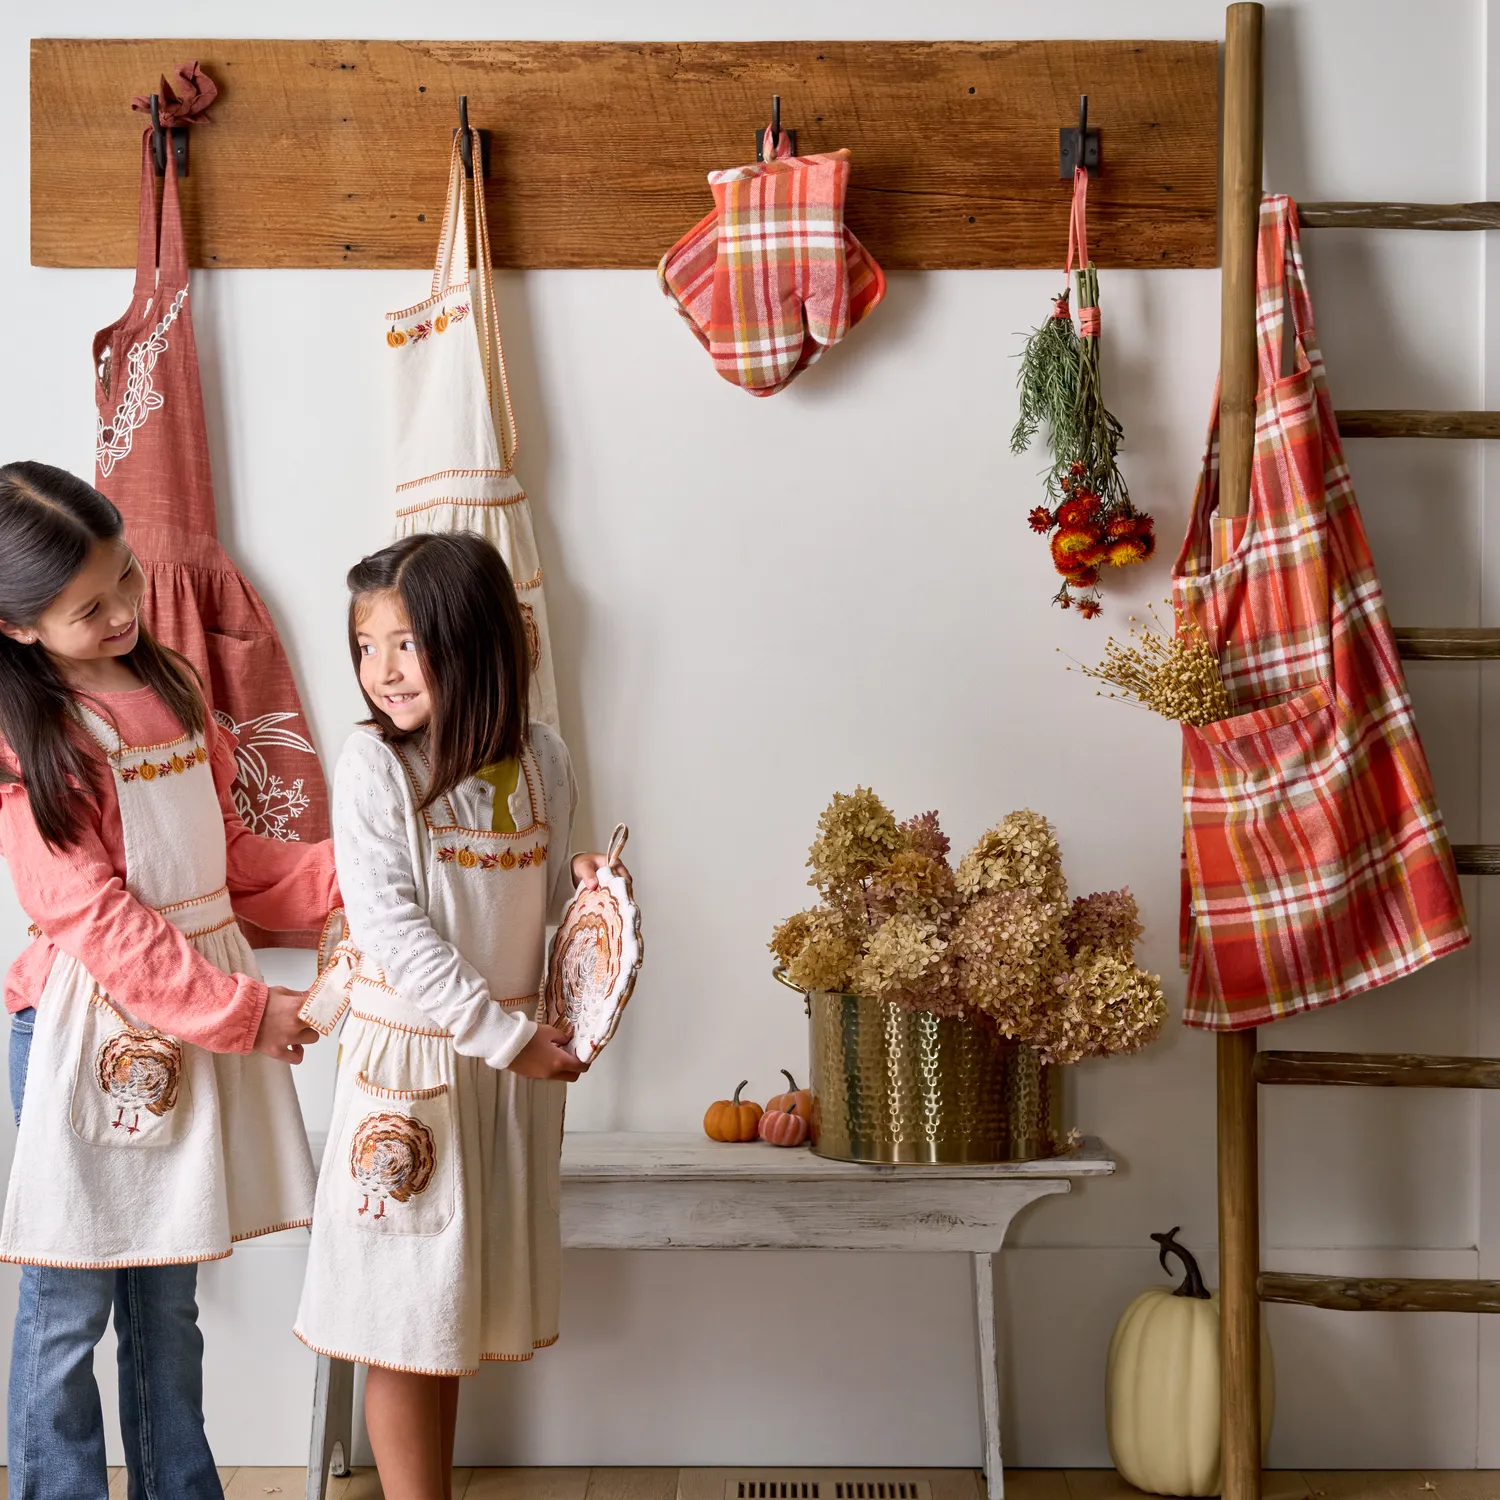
(50,521)
(472,642)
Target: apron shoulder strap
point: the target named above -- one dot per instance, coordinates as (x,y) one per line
(451,269)
(98,728)
(1283,310)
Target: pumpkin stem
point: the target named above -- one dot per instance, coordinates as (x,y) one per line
(740,1090)
(1192,1281)
(791,1082)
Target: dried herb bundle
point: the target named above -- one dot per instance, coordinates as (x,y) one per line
(1089,514)
(1173,673)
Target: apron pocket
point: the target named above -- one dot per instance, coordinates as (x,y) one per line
(131,1088)
(398,1156)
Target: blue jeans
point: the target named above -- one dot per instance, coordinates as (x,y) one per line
(56,1439)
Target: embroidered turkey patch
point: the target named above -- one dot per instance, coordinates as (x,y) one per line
(139,1070)
(391,1156)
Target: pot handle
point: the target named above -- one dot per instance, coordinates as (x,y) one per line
(780,976)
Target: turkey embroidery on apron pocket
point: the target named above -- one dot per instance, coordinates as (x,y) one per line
(454,430)
(152,460)
(130,1089)
(400,1158)
(136,1148)
(1315,861)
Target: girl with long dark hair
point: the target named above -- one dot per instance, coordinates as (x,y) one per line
(435,1239)
(148,1059)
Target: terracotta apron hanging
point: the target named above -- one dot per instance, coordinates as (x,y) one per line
(1315,862)
(136,1149)
(436,1241)
(152,461)
(455,435)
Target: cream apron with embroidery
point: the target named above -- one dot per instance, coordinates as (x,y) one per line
(436,1241)
(136,1149)
(454,431)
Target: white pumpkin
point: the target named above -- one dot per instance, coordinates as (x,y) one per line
(1162,1386)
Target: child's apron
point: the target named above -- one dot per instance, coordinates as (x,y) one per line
(136,1149)
(152,461)
(1315,860)
(454,430)
(436,1242)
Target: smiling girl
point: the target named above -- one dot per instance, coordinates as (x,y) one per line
(148,1059)
(435,1239)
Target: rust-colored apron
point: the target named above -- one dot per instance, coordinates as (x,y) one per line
(152,461)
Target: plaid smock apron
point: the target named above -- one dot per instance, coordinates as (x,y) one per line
(454,430)
(1315,861)
(152,460)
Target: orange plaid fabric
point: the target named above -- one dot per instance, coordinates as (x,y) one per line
(771,278)
(1315,861)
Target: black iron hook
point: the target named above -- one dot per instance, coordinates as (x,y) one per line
(466,142)
(1078,147)
(760,135)
(159,133)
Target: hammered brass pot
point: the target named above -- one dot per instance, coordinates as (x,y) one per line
(896,1085)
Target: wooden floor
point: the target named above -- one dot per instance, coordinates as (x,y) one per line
(947,1484)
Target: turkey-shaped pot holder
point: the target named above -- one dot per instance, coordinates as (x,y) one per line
(596,954)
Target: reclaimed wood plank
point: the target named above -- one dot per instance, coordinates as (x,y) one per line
(335,153)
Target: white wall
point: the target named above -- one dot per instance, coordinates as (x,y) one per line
(756,603)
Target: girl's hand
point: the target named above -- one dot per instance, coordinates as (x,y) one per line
(283,1033)
(586,869)
(546,1055)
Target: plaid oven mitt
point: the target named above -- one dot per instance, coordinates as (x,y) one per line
(771,278)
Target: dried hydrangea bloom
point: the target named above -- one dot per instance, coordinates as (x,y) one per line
(1105,1005)
(789,938)
(915,883)
(924,836)
(827,958)
(938,994)
(1106,922)
(857,835)
(1019,853)
(899,956)
(1007,945)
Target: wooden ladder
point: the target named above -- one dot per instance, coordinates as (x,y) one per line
(1241,1068)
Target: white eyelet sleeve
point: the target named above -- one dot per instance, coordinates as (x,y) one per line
(374,839)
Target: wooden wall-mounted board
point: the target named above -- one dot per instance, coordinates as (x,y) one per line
(334,153)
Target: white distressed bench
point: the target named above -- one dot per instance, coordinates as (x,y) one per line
(635,1191)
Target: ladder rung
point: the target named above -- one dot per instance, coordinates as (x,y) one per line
(1477,859)
(1418,424)
(1368,1294)
(1449,643)
(1391,1070)
(1399,215)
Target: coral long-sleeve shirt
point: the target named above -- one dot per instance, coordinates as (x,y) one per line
(77,898)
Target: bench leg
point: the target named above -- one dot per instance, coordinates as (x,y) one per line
(332,1424)
(989,1373)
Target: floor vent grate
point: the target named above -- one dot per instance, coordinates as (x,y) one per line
(785,1486)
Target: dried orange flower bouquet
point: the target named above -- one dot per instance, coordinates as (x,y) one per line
(996,937)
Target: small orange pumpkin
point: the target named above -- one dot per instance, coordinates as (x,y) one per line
(732,1119)
(796,1102)
(780,1127)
